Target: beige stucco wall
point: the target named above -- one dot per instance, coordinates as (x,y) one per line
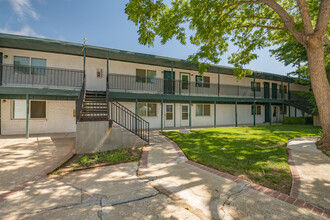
(118,67)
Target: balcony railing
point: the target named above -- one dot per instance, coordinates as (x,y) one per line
(130,83)
(13,75)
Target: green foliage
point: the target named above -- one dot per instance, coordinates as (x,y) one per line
(256,153)
(115,156)
(294,121)
(210,25)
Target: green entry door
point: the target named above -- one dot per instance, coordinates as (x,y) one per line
(274,90)
(169,85)
(267,111)
(266,90)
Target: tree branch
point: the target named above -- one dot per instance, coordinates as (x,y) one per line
(323,18)
(303,8)
(261,26)
(287,20)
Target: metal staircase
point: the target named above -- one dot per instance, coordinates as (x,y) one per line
(95,106)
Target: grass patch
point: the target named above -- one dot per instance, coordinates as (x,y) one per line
(83,161)
(257,154)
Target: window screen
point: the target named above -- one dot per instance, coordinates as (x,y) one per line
(38,109)
(19,109)
(38,66)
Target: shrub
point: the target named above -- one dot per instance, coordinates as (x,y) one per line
(294,120)
(309,120)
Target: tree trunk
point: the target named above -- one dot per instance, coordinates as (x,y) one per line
(320,86)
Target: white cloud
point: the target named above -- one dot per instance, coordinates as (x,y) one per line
(23,7)
(25,31)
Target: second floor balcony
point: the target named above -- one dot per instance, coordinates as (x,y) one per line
(133,84)
(45,77)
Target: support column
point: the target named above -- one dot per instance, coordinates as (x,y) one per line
(218,81)
(161,114)
(295,112)
(27,133)
(215,114)
(84,65)
(254,113)
(236,114)
(270,113)
(254,86)
(283,110)
(190,114)
(174,114)
(136,112)
(172,80)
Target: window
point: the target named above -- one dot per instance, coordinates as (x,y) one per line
(258,86)
(38,66)
(21,65)
(184,81)
(143,76)
(169,112)
(285,89)
(185,113)
(19,109)
(203,110)
(147,109)
(203,81)
(37,109)
(258,109)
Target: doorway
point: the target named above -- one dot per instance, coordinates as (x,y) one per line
(169,85)
(266,90)
(184,119)
(274,91)
(169,115)
(267,111)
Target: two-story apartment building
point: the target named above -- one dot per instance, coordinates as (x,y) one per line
(46,86)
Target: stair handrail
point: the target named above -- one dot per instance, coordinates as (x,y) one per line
(107,95)
(129,120)
(80,99)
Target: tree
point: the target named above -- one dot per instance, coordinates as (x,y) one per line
(248,24)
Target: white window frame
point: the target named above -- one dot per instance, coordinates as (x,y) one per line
(30,105)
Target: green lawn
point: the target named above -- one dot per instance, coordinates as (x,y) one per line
(257,154)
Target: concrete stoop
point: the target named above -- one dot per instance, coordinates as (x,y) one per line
(95,136)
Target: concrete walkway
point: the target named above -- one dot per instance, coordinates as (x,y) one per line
(163,185)
(313,169)
(208,195)
(22,160)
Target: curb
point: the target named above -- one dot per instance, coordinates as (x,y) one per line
(40,175)
(290,199)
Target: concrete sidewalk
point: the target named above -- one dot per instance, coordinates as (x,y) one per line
(25,159)
(313,169)
(210,196)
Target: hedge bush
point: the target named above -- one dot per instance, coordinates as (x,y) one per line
(309,120)
(294,120)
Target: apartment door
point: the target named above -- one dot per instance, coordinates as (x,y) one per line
(169,85)
(267,111)
(169,115)
(274,90)
(184,87)
(266,90)
(184,115)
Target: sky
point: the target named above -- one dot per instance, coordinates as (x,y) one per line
(103,23)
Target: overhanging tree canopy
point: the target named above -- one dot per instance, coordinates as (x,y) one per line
(248,24)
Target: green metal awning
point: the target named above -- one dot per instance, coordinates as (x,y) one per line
(62,47)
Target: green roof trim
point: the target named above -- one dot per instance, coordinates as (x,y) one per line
(62,47)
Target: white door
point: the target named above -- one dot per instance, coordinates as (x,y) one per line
(184,117)
(169,115)
(275,114)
